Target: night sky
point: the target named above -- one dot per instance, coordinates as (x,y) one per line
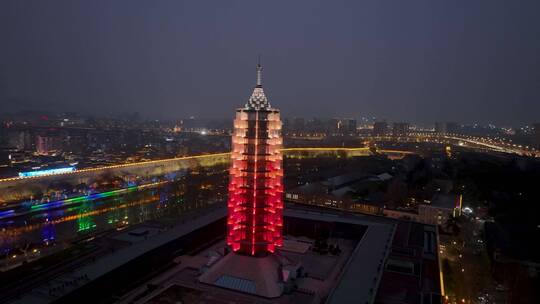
(423,61)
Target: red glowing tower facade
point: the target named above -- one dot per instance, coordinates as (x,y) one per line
(255,202)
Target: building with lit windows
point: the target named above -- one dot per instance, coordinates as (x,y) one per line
(351,126)
(441,208)
(400,129)
(380,128)
(47,144)
(440,127)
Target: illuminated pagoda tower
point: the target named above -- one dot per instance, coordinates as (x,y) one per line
(255,188)
(255,205)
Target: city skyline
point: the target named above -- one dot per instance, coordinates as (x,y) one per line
(421,62)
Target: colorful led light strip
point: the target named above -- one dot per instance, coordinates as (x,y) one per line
(31,227)
(90,197)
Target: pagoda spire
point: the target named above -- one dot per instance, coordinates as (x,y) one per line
(259,72)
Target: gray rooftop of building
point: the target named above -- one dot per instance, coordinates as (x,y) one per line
(361,276)
(120,257)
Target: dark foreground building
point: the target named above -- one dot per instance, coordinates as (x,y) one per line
(326,257)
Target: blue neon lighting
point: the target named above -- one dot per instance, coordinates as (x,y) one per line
(6,213)
(46,172)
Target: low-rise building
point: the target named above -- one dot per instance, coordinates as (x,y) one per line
(353,192)
(440,209)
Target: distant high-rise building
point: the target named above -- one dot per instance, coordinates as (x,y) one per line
(536,135)
(452,127)
(400,129)
(334,126)
(440,127)
(5,156)
(446,127)
(3,135)
(47,143)
(351,126)
(21,139)
(286,125)
(315,125)
(299,124)
(380,128)
(255,203)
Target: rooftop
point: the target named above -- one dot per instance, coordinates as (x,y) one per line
(445,201)
(411,271)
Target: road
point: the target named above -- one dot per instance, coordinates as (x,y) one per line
(466,265)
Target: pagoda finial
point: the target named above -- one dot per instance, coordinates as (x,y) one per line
(259,72)
(258,100)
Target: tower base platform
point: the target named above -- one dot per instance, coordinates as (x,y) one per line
(260,276)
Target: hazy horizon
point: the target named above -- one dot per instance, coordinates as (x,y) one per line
(418,61)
